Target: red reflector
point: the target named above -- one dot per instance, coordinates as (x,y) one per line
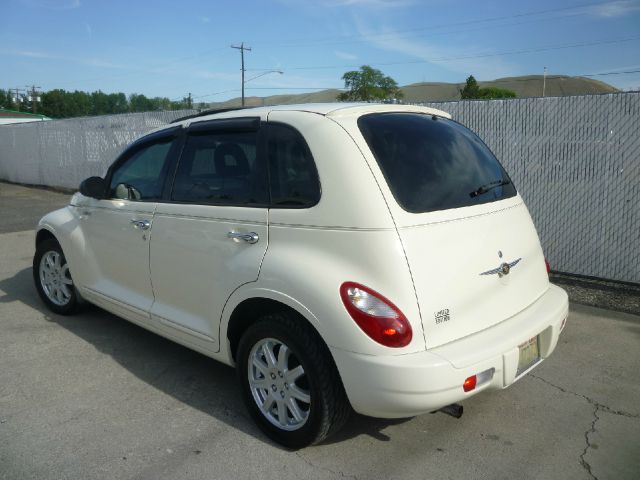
(469,384)
(548,265)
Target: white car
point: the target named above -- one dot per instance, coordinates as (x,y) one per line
(341,256)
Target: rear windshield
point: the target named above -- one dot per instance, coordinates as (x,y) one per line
(432,163)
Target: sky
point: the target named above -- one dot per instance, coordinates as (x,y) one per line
(172,48)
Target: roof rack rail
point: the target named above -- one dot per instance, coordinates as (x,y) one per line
(211,111)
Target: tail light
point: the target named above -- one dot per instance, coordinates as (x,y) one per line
(548,265)
(375,315)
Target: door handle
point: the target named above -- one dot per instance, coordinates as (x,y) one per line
(141,224)
(251,237)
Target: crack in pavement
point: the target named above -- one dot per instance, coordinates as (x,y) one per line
(597,406)
(311,464)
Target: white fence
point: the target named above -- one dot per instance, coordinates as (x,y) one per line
(575,160)
(62,153)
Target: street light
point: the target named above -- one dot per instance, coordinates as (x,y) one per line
(258,76)
(264,73)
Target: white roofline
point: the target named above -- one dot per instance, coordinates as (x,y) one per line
(362,108)
(334,109)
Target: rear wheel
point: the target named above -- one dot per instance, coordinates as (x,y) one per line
(289,382)
(53,279)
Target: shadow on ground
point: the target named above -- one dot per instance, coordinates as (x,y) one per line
(192,378)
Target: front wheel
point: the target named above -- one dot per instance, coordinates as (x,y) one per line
(53,279)
(289,382)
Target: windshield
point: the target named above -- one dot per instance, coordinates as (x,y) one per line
(432,163)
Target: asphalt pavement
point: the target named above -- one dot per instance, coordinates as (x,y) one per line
(93,396)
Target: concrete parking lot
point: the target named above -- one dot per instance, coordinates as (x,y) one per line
(93,396)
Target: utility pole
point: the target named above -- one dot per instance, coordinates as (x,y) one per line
(34,98)
(17,99)
(544,80)
(242,48)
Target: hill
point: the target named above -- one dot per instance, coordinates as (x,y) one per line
(525,86)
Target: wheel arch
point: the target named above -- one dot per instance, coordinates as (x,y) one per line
(45,234)
(248,310)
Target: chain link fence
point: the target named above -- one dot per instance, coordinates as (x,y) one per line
(575,160)
(576,163)
(62,153)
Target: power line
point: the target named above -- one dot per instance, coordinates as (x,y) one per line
(483,81)
(34,97)
(150,69)
(296,88)
(334,39)
(475,56)
(215,93)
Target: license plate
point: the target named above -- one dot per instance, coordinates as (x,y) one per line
(529,354)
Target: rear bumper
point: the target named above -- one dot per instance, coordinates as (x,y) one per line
(407,385)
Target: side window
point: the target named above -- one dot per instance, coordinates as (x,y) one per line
(292,172)
(141,176)
(221,168)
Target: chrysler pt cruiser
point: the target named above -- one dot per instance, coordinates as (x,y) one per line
(375,258)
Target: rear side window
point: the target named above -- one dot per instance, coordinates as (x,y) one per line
(432,163)
(292,171)
(221,168)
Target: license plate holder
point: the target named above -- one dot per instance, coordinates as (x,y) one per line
(529,354)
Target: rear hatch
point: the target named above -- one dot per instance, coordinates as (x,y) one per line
(471,246)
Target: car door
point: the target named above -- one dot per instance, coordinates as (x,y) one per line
(117,228)
(211,235)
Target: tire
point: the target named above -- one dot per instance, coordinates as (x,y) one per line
(53,280)
(296,396)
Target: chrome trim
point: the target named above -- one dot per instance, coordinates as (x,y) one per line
(141,224)
(251,237)
(503,269)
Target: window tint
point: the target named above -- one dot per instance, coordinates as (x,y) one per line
(432,163)
(292,172)
(221,168)
(141,176)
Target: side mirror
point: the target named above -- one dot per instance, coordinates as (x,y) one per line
(93,187)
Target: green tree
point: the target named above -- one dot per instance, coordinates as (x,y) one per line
(6,100)
(473,90)
(369,84)
(493,92)
(139,103)
(118,103)
(99,103)
(80,103)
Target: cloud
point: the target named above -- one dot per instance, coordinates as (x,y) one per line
(205,19)
(345,55)
(91,62)
(31,54)
(455,59)
(613,9)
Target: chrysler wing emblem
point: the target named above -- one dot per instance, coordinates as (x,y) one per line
(503,269)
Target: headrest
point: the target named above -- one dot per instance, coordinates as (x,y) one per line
(230,161)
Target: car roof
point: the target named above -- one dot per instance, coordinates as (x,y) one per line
(334,110)
(328,109)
